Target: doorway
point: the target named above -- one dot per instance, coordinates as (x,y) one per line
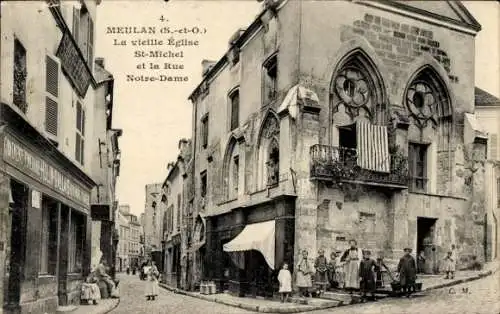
(258,274)
(426,244)
(18,209)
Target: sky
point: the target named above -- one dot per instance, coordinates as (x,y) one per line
(155,115)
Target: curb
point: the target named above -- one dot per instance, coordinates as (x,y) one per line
(460,281)
(253,308)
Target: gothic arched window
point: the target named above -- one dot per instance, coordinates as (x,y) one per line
(357,89)
(427,98)
(268,153)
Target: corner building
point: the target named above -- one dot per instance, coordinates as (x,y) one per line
(46,127)
(335,120)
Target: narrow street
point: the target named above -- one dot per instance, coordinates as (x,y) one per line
(482,297)
(133,301)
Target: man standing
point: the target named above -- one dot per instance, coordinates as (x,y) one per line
(407,269)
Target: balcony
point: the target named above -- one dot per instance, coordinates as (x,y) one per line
(339,164)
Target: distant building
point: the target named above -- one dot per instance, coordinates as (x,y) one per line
(152,219)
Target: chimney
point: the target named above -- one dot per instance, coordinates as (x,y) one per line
(206,65)
(100,62)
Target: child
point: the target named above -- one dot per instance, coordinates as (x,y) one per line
(367,270)
(407,269)
(449,265)
(285,279)
(331,270)
(321,278)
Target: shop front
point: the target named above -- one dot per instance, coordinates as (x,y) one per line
(172,267)
(46,200)
(247,247)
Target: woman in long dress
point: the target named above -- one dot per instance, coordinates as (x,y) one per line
(152,274)
(304,272)
(352,257)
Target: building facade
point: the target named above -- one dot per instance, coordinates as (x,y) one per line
(132,238)
(177,219)
(303,144)
(47,113)
(153,215)
(122,258)
(488,115)
(105,169)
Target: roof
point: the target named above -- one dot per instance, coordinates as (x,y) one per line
(483,98)
(450,11)
(101,74)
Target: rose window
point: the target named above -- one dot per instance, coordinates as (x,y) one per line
(421,100)
(352,88)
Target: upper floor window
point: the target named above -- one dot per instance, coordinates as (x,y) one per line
(235,173)
(20,74)
(203,183)
(80,134)
(204,131)
(417,161)
(270,80)
(179,206)
(83,32)
(234,98)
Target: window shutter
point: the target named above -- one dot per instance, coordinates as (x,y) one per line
(493,146)
(79,116)
(52,76)
(90,45)
(83,122)
(76,24)
(78,147)
(51,101)
(82,150)
(51,114)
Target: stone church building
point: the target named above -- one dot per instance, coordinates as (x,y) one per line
(335,120)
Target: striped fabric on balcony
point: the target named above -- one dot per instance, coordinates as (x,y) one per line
(373,147)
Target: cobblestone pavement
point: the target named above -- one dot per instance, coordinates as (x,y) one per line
(481,296)
(132,301)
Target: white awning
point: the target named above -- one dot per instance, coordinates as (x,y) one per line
(259,236)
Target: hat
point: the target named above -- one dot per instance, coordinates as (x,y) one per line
(407,249)
(367,252)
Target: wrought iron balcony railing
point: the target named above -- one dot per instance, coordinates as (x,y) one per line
(340,164)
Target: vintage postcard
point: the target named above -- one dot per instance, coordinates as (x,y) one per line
(243,156)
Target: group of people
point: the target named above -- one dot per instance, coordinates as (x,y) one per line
(91,292)
(353,269)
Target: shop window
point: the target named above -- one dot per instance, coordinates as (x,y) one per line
(203,183)
(204,131)
(417,160)
(80,134)
(270,82)
(48,253)
(51,96)
(76,243)
(20,74)
(234,99)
